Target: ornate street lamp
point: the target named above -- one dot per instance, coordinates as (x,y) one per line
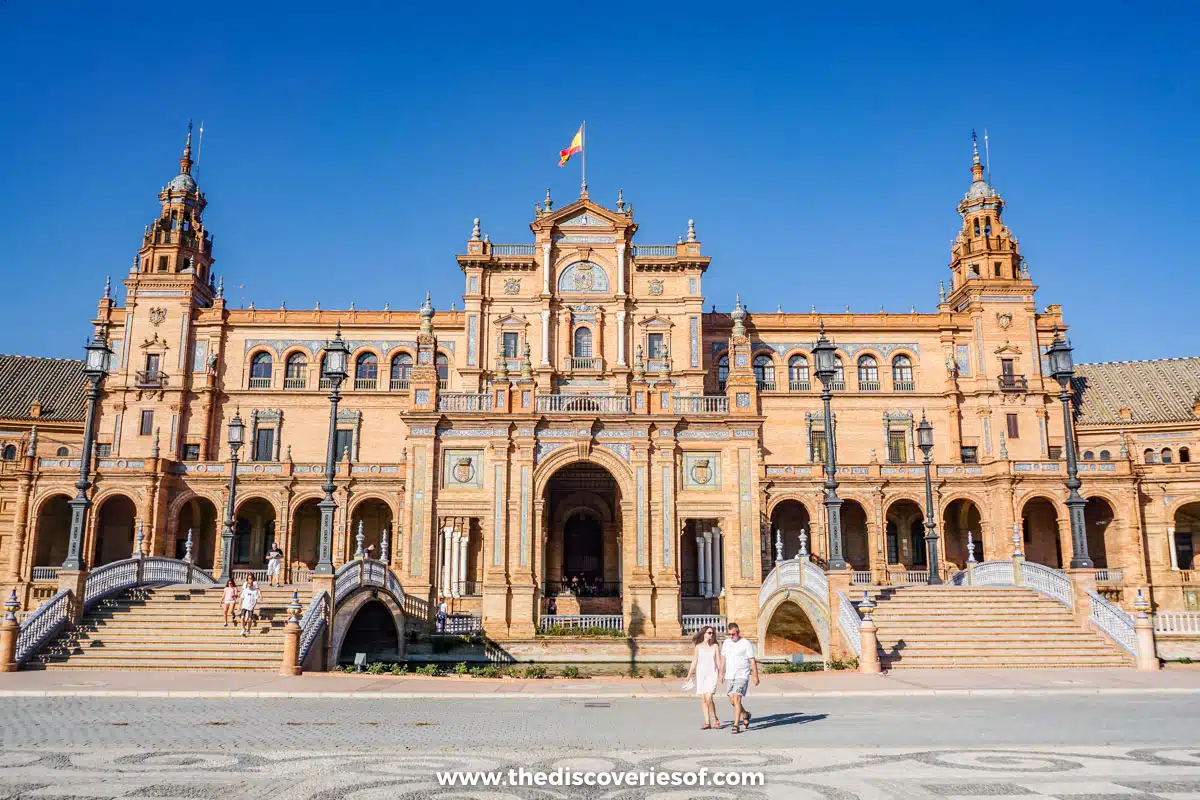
(236,438)
(925,442)
(95,368)
(1062,370)
(824,353)
(335,368)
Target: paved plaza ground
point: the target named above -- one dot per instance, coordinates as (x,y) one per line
(1050,734)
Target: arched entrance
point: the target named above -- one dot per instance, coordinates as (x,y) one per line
(1098,519)
(254,533)
(373,632)
(855,548)
(115,522)
(376,517)
(53,532)
(790,632)
(788,519)
(960,517)
(199,516)
(1039,527)
(1187,535)
(582,565)
(306,534)
(905,535)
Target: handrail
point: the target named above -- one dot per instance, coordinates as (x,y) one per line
(789,573)
(850,623)
(311,625)
(1113,621)
(1049,582)
(40,626)
(1186,623)
(369,572)
(120,575)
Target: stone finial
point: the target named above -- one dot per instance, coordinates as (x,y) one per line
(738,315)
(288,456)
(803,551)
(154,451)
(427,316)
(847,308)
(359,539)
(549,203)
(691,235)
(501,367)
(1141,605)
(941,291)
(680,240)
(1003,444)
(352,308)
(108,287)
(294,608)
(134,268)
(387,306)
(639,364)
(31,451)
(454,307)
(10,607)
(221,288)
(317,307)
(141,537)
(778,545)
(874,456)
(251,306)
(526,364)
(1124,446)
(475,231)
(346,454)
(537,209)
(620,201)
(187,547)
(970,547)
(866,606)
(1016,540)
(1024,269)
(384,535)
(666,362)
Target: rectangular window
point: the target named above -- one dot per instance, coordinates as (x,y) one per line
(1006,367)
(996,269)
(1184,551)
(162,263)
(1013,431)
(510,345)
(147,427)
(264,444)
(343,443)
(897,447)
(1054,453)
(817,445)
(970,455)
(152,362)
(103,450)
(664,401)
(654,344)
(191,452)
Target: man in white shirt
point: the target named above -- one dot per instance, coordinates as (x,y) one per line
(250,594)
(737,666)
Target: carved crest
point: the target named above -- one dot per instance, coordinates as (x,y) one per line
(1004,320)
(464,470)
(656,287)
(512,285)
(701,471)
(584,280)
(157,316)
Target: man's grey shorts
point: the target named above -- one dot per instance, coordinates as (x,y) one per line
(738,685)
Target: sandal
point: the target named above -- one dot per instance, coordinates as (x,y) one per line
(734,729)
(748,717)
(705,726)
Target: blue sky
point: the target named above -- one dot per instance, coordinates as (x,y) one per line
(821,152)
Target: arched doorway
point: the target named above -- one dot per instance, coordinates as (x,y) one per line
(199,516)
(582,565)
(373,632)
(306,534)
(855,548)
(790,632)
(960,517)
(788,519)
(1187,535)
(115,522)
(254,533)
(1098,519)
(53,532)
(1039,526)
(375,516)
(905,535)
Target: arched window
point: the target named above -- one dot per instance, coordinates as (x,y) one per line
(295,371)
(442,362)
(1105,455)
(798,375)
(583,343)
(1168,457)
(10,452)
(764,372)
(62,452)
(402,365)
(839,374)
(976,227)
(260,371)
(902,374)
(1185,455)
(868,373)
(1088,455)
(366,371)
(722,371)
(1148,456)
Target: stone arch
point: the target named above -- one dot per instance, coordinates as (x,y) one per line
(810,608)
(856,547)
(305,532)
(255,522)
(1040,517)
(347,613)
(570,454)
(961,514)
(116,523)
(202,516)
(788,517)
(52,530)
(904,531)
(375,512)
(1102,528)
(1185,519)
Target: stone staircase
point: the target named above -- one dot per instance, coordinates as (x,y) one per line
(169,628)
(994,627)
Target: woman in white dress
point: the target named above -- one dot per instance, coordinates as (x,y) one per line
(704,672)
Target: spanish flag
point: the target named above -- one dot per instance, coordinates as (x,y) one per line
(576,147)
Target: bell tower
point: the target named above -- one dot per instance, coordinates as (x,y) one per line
(177,243)
(984,254)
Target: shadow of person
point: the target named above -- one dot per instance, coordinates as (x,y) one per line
(777,720)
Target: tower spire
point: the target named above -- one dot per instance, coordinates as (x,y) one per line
(185,163)
(976,167)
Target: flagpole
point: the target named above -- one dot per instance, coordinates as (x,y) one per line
(583,152)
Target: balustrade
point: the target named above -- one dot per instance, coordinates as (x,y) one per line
(464,401)
(295,383)
(904,386)
(798,386)
(399,384)
(612,622)
(44,574)
(766,386)
(868,386)
(701,404)
(654,251)
(694,623)
(1013,383)
(583,403)
(587,364)
(150,379)
(366,383)
(1177,622)
(514,249)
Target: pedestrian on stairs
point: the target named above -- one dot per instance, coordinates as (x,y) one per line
(274,565)
(442,613)
(228,600)
(250,595)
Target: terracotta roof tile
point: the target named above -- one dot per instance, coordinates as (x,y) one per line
(58,384)
(1154,391)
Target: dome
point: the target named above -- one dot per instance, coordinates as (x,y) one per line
(980,190)
(182,183)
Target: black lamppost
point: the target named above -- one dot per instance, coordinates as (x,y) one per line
(237,437)
(95,367)
(1062,370)
(925,442)
(824,353)
(334,367)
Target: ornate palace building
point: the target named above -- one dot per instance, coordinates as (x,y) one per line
(586,430)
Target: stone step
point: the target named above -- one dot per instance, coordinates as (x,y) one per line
(1005,636)
(1010,646)
(1003,661)
(251,642)
(182,664)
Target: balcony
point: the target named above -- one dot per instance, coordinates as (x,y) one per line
(587,364)
(655,251)
(904,386)
(798,386)
(295,383)
(260,383)
(868,386)
(366,383)
(701,404)
(464,401)
(514,249)
(399,384)
(1013,383)
(837,385)
(324,383)
(766,386)
(150,379)
(583,403)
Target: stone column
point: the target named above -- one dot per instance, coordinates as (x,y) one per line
(620,338)
(463,550)
(718,561)
(1174,555)
(546,267)
(710,563)
(620,269)
(9,631)
(701,576)
(545,337)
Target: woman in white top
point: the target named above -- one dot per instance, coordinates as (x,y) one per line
(704,672)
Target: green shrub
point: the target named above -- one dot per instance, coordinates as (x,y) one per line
(679,671)
(563,630)
(655,672)
(376,668)
(535,672)
(460,668)
(399,669)
(572,672)
(837,663)
(429,670)
(634,672)
(775,669)
(1184,660)
(485,672)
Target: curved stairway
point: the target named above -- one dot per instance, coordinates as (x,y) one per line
(993,626)
(169,627)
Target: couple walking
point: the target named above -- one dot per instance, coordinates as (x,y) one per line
(732,662)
